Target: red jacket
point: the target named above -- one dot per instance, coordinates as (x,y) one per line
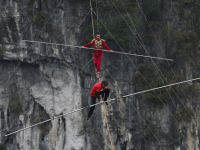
(98,45)
(96,88)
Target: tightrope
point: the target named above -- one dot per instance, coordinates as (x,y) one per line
(107,101)
(98,49)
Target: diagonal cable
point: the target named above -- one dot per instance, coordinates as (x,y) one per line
(160,47)
(56,60)
(31,45)
(139,72)
(141,42)
(134,108)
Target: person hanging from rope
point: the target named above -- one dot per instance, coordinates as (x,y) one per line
(98,44)
(97,90)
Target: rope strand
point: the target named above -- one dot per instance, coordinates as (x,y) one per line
(114,99)
(92,18)
(99,50)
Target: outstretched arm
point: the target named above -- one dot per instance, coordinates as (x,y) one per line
(104,44)
(87,45)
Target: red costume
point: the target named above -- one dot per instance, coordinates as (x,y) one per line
(96,88)
(98,54)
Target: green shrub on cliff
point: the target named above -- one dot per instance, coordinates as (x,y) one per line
(152,131)
(117,28)
(154,81)
(185,113)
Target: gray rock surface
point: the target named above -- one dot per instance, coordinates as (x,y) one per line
(53,80)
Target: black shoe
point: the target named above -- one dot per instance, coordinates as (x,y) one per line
(105,100)
(8,132)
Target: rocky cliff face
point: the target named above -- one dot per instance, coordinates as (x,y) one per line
(40,81)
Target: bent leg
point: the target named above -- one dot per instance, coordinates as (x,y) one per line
(93,100)
(107,92)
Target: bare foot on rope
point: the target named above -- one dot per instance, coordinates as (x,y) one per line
(102,102)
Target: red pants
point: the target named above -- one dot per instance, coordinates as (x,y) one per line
(97,61)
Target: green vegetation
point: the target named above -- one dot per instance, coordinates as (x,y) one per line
(148,73)
(154,100)
(165,135)
(152,9)
(189,90)
(154,81)
(116,24)
(131,6)
(39,116)
(185,113)
(187,42)
(39,18)
(184,44)
(15,105)
(159,134)
(120,31)
(67,26)
(118,28)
